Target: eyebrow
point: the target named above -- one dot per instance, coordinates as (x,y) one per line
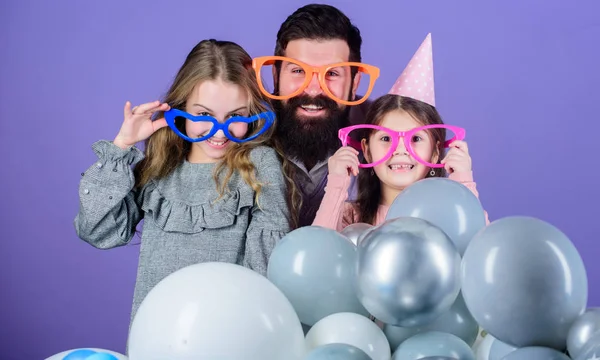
(238,109)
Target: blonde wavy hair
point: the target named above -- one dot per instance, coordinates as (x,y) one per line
(165,150)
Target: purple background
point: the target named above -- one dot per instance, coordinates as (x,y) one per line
(521,77)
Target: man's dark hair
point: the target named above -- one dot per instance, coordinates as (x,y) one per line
(319,22)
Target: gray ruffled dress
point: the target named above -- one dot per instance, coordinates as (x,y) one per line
(183,225)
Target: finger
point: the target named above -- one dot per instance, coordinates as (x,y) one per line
(355,170)
(460,145)
(127,109)
(159,123)
(148,106)
(448,167)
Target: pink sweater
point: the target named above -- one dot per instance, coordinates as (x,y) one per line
(335,213)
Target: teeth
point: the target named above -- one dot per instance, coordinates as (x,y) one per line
(403,166)
(311,107)
(216,143)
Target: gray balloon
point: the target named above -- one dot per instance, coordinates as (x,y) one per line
(355,232)
(438,358)
(582,330)
(433,343)
(315,268)
(448,204)
(337,351)
(524,282)
(457,321)
(591,349)
(408,272)
(536,353)
(498,349)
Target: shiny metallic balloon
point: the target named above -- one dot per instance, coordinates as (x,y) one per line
(591,350)
(456,321)
(582,330)
(408,272)
(433,344)
(355,232)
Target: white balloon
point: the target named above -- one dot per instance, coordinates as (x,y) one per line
(216,311)
(60,356)
(352,329)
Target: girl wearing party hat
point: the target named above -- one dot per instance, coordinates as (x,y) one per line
(403,141)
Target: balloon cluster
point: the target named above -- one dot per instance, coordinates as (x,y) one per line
(420,286)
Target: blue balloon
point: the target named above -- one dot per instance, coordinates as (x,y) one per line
(524,282)
(315,268)
(80,354)
(445,203)
(433,344)
(535,353)
(101,356)
(337,351)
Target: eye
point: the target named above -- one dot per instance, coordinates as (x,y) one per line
(417,138)
(385,138)
(235,115)
(332,73)
(297,70)
(204,113)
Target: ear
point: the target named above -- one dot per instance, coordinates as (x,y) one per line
(355,84)
(365,150)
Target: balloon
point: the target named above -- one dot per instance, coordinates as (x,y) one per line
(355,232)
(80,354)
(438,358)
(433,343)
(337,352)
(86,354)
(535,353)
(315,268)
(447,204)
(457,321)
(524,282)
(591,350)
(351,329)
(215,310)
(493,349)
(582,329)
(101,356)
(408,272)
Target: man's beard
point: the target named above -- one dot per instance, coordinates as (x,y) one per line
(310,139)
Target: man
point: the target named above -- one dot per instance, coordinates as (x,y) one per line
(311,111)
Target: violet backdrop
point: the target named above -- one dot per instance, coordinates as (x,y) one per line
(521,76)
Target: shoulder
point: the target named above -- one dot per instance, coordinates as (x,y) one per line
(264,156)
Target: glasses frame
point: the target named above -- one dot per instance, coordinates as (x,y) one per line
(321,71)
(344,136)
(170,116)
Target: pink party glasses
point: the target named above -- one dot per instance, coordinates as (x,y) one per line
(385,142)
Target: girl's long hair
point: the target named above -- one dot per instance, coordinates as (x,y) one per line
(369,186)
(165,150)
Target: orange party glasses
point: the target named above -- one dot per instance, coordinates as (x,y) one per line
(298,75)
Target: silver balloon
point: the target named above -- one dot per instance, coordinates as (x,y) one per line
(355,232)
(456,321)
(582,330)
(591,350)
(408,272)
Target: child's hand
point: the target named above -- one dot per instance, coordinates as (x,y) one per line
(457,159)
(138,125)
(344,162)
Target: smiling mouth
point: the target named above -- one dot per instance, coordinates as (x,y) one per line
(217,143)
(311,107)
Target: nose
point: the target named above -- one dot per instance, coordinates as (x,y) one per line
(401,148)
(219,134)
(314,88)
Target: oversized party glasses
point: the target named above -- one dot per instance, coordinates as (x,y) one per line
(298,75)
(352,135)
(227,126)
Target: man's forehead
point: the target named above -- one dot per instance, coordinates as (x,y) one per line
(318,52)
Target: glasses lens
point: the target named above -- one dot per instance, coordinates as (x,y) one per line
(424,142)
(379,144)
(243,130)
(340,78)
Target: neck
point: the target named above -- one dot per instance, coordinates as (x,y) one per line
(388,194)
(198,156)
